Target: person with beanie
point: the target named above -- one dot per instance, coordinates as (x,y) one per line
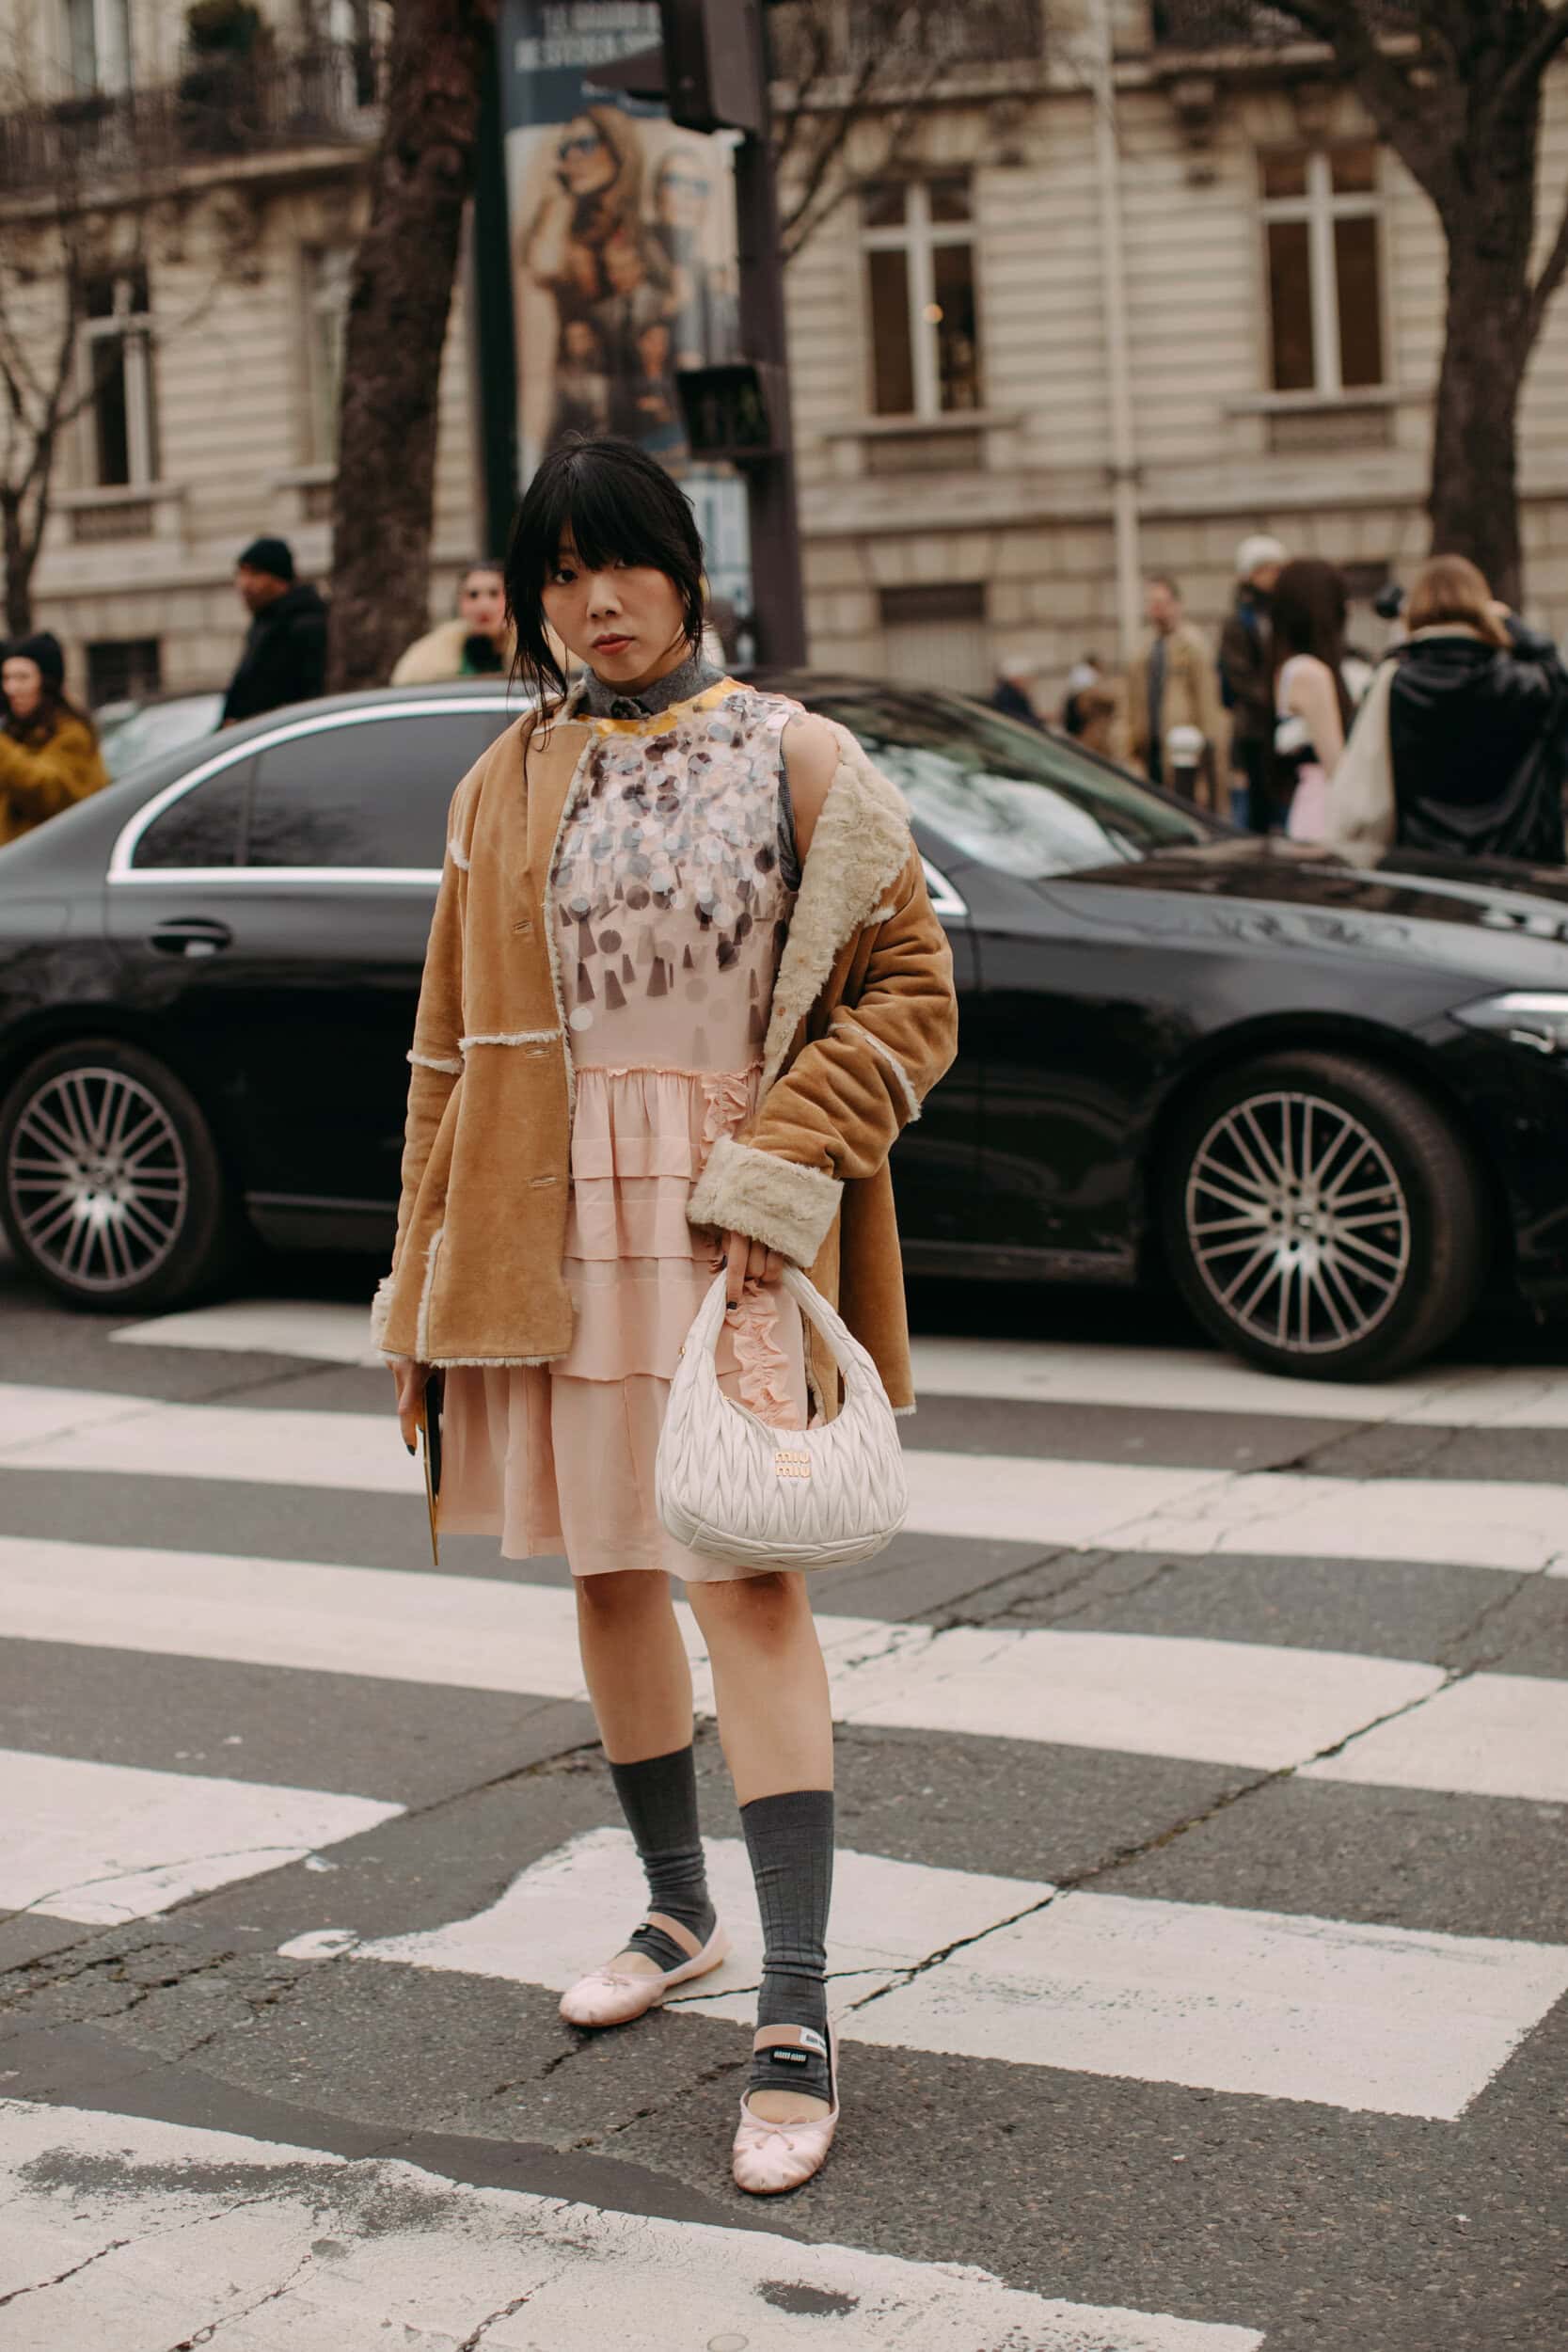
(48,755)
(285,648)
(1247,680)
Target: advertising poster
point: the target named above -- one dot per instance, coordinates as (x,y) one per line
(623,254)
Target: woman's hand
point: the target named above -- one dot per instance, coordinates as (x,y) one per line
(747,1261)
(408,1379)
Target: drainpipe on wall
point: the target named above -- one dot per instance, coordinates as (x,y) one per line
(1123,466)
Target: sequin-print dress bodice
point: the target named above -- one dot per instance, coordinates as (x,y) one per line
(673,888)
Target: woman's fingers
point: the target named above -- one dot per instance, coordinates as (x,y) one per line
(408,1381)
(747,1261)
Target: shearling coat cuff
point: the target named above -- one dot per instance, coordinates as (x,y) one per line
(777,1201)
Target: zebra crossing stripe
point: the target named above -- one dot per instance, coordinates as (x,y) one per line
(122,2231)
(1508,1525)
(1270,2004)
(91,1842)
(1149,1379)
(1243,1702)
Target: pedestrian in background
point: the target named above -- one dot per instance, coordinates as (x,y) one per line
(479,642)
(1461,743)
(1311,700)
(48,755)
(1173,683)
(1082,680)
(572,1191)
(285,648)
(1246,678)
(1011,695)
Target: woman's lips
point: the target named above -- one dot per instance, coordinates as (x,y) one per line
(610,644)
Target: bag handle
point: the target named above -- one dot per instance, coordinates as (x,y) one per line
(847,1354)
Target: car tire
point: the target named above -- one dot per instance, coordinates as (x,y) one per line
(1321,1217)
(111,1187)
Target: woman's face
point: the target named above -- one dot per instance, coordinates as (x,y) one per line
(624,622)
(481,602)
(583,158)
(21,682)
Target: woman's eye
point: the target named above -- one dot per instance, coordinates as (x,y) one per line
(560,577)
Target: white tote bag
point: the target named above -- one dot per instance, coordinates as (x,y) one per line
(740,1492)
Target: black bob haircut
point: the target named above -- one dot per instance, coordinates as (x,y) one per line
(617,505)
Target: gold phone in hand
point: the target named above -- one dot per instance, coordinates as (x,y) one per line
(430,1426)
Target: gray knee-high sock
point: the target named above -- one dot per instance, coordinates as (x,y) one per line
(659,1800)
(790,1840)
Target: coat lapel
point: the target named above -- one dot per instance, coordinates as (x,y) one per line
(858,850)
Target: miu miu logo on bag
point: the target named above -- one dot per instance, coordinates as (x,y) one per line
(788,1463)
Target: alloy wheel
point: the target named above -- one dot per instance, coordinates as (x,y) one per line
(98,1178)
(1298,1222)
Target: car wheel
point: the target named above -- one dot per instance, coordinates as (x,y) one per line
(1323,1217)
(110,1185)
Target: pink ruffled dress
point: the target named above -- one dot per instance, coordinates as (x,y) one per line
(671,898)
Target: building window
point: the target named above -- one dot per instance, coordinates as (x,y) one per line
(327,272)
(937,636)
(124,669)
(97,43)
(919,296)
(119,405)
(1321,235)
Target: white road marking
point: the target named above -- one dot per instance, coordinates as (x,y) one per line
(1242,1703)
(1492,1736)
(207,2228)
(1503,1524)
(1371,2018)
(319,1328)
(1162,1379)
(107,1842)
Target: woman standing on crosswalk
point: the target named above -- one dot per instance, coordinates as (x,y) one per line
(684,988)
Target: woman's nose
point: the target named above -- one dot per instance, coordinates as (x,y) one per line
(603,595)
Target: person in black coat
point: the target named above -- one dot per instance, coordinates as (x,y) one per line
(285,648)
(1461,747)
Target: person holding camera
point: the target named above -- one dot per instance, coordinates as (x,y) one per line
(1460,746)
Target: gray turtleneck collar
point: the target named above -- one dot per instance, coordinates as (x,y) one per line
(694,675)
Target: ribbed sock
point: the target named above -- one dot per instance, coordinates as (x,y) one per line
(790,1840)
(659,1800)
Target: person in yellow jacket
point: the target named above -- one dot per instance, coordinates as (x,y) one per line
(479,642)
(48,755)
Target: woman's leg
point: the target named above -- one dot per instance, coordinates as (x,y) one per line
(776,1725)
(640,1685)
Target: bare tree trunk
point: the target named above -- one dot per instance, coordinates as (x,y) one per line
(1474,496)
(397,322)
(18,571)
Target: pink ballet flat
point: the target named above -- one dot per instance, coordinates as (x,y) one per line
(771,2158)
(613,1996)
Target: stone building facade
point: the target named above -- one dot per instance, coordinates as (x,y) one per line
(975,367)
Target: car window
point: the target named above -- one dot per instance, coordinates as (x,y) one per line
(365,793)
(204,827)
(1005,794)
(133,736)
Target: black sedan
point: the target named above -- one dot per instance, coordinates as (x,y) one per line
(1333,1103)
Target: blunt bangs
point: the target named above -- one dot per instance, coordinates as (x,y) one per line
(616,505)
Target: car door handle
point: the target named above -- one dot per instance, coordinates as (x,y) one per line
(192,936)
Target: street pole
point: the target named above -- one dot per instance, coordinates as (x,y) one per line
(777,587)
(1118,369)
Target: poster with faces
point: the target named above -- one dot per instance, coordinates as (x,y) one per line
(623,251)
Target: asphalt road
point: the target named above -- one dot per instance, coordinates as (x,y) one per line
(1201,1924)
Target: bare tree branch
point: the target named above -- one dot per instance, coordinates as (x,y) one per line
(1536,56)
(1548,278)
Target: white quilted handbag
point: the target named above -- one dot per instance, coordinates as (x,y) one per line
(742,1493)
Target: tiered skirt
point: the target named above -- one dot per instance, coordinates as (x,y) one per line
(559,1457)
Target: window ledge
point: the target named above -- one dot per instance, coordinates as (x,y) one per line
(893,428)
(1313,403)
(121,494)
(305,477)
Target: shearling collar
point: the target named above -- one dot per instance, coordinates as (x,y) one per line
(858,850)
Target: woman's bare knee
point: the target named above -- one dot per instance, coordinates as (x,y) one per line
(622,1592)
(767,1607)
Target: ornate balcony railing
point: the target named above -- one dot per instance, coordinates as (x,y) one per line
(1210,25)
(219,108)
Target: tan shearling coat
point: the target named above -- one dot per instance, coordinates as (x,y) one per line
(864,1024)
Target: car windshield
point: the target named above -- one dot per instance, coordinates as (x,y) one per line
(131,736)
(1004,793)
